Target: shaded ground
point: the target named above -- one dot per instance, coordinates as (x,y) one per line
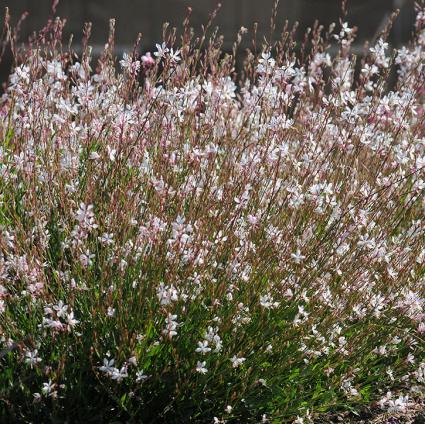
(416,415)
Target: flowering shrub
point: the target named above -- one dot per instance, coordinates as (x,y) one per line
(183,243)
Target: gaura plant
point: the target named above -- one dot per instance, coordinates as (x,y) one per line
(181,242)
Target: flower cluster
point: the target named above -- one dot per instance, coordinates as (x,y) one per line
(221,231)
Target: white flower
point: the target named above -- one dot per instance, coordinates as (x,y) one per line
(400,404)
(390,373)
(380,350)
(32,358)
(379,53)
(265,61)
(212,337)
(106,238)
(297,257)
(85,213)
(111,153)
(130,65)
(60,308)
(345,30)
(420,373)
(161,50)
(200,367)
(348,388)
(366,242)
(71,321)
(21,74)
(94,156)
(119,375)
(47,388)
(175,56)
(267,302)
(133,361)
(141,376)
(54,69)
(167,294)
(51,323)
(203,347)
(86,258)
(126,61)
(171,325)
(236,362)
(108,365)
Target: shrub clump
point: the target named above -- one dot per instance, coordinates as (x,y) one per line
(183,243)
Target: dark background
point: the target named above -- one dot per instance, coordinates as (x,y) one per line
(147,16)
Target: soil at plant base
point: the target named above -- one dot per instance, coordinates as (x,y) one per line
(416,415)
